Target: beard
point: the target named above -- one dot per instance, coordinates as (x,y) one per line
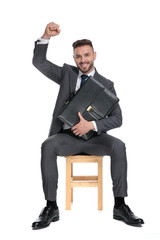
(85,67)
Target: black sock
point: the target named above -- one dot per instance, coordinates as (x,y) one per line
(52,204)
(119,201)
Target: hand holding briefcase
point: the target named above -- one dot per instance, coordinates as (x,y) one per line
(93,101)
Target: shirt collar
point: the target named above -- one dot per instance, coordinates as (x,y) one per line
(89,74)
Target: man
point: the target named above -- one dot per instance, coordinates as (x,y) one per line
(63,141)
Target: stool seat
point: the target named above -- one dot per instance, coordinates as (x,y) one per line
(83,181)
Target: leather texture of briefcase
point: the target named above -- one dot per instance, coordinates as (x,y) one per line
(92,100)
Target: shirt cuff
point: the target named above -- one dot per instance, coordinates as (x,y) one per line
(95,126)
(42,41)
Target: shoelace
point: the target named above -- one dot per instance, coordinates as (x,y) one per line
(127,210)
(45,211)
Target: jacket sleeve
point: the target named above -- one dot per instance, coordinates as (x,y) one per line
(113,120)
(49,69)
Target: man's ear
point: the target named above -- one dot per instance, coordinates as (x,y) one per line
(95,55)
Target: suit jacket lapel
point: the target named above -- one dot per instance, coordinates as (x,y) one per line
(97,76)
(73,80)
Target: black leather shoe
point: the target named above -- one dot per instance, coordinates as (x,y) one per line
(126,215)
(47,215)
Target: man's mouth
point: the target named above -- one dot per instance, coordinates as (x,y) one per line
(84,65)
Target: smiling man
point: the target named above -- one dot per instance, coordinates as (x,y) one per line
(84,55)
(63,141)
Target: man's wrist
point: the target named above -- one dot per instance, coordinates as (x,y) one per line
(45,37)
(92,126)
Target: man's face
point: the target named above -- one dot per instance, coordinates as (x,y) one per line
(84,57)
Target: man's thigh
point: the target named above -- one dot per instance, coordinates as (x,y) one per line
(102,144)
(64,144)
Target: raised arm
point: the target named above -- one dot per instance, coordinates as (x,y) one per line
(50,70)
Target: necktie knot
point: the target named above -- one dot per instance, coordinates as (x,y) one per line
(83,78)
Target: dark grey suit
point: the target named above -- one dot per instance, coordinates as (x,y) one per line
(61,144)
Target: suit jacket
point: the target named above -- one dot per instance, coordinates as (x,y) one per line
(66,77)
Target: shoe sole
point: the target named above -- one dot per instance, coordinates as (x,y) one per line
(55,219)
(131,224)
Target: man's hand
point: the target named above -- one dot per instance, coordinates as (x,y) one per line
(52,29)
(82,127)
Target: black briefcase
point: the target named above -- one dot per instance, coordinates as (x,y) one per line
(92,100)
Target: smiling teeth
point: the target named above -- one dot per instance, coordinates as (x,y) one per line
(84,65)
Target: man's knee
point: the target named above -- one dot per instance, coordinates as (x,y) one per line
(118,146)
(49,143)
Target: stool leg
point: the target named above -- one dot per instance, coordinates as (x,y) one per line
(100,185)
(68,184)
(71,178)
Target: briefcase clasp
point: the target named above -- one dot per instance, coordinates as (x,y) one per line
(90,109)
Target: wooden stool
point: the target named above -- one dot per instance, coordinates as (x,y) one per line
(83,181)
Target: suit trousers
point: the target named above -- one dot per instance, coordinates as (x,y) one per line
(66,144)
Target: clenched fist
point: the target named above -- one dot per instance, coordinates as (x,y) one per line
(52,29)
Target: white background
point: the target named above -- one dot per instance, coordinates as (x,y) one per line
(126,37)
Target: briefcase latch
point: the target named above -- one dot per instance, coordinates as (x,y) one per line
(89,109)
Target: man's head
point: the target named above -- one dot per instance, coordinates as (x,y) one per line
(84,55)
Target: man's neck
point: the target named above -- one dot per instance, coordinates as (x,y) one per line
(91,73)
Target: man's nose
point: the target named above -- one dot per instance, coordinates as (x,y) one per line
(83,59)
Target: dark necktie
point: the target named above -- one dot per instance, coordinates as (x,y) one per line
(83,78)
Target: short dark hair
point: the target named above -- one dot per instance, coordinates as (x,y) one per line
(83,42)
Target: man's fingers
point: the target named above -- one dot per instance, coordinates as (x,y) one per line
(80,116)
(53,29)
(76,132)
(73,128)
